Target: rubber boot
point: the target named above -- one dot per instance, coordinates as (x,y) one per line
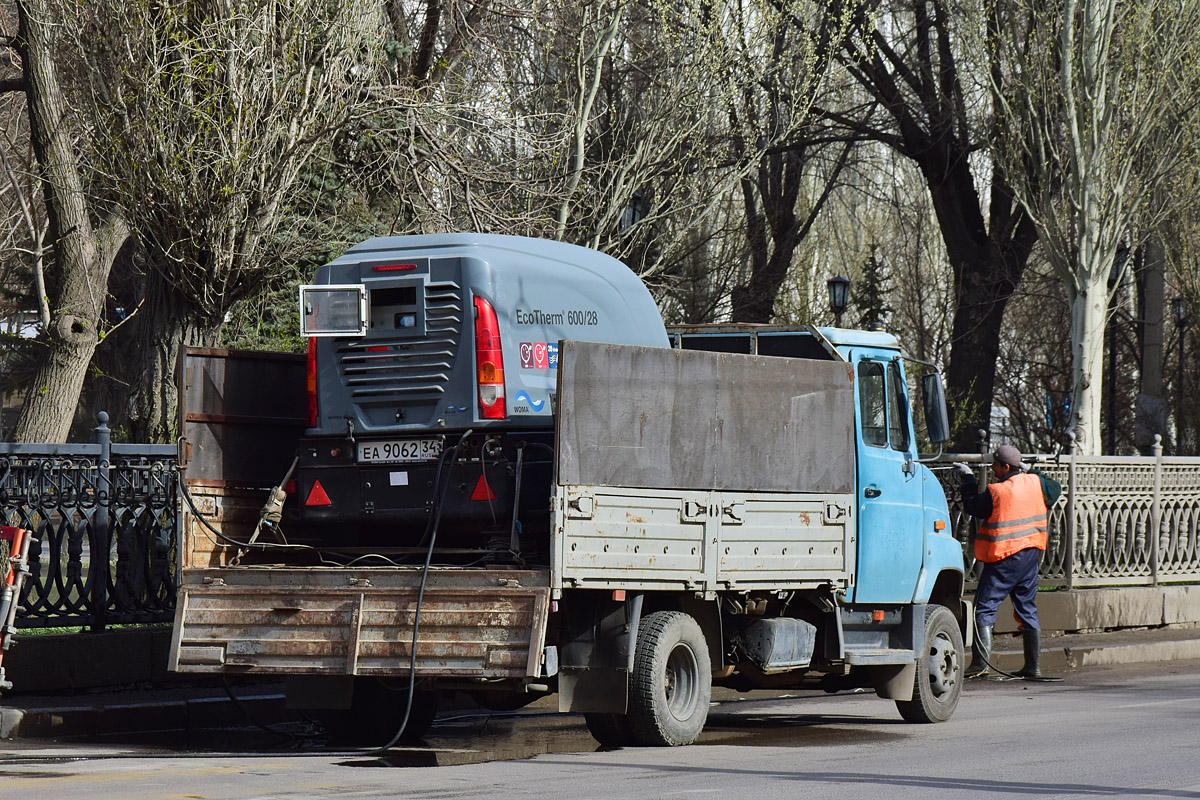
(1031,638)
(981,652)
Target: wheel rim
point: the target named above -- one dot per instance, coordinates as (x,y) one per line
(682,682)
(943,665)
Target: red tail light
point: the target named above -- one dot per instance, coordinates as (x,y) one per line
(313,411)
(489,363)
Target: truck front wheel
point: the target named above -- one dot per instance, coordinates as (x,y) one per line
(671,684)
(939,678)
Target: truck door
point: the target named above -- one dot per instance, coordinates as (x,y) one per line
(890,540)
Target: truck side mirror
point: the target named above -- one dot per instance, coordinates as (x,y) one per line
(327,310)
(937,421)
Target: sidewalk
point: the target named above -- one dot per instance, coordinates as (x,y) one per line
(1071,651)
(191,708)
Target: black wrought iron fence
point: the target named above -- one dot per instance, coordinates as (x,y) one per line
(1121,521)
(104,521)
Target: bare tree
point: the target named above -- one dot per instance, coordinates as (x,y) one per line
(85,237)
(1102,110)
(916,60)
(204,115)
(795,164)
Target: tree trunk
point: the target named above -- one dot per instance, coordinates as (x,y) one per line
(1088,310)
(755,300)
(83,255)
(974,352)
(987,261)
(1151,410)
(165,323)
(52,397)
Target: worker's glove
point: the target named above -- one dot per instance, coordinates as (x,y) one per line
(963,470)
(272,512)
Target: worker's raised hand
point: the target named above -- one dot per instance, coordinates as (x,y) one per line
(962,469)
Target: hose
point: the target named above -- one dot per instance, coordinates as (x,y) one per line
(440,487)
(1008,675)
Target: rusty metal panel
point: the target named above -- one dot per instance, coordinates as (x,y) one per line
(240,414)
(474,623)
(669,419)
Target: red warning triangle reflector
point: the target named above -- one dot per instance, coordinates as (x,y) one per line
(482,491)
(317,496)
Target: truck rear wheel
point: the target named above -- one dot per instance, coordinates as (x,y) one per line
(671,684)
(939,678)
(610,730)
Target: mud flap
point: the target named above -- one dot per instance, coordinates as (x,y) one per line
(602,689)
(894,681)
(597,654)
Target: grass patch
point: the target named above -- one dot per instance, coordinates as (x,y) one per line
(74,629)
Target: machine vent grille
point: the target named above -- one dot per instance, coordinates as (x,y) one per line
(404,367)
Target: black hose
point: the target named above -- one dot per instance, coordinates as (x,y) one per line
(245,712)
(431,530)
(1010,676)
(187,496)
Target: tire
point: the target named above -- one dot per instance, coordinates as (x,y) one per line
(375,714)
(939,677)
(610,730)
(671,684)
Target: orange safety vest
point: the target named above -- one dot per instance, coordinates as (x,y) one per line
(1018,520)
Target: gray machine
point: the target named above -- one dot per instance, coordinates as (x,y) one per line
(416,340)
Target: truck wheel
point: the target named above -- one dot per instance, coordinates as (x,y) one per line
(610,730)
(671,682)
(939,677)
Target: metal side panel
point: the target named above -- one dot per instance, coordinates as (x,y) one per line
(631,538)
(608,538)
(782,540)
(260,620)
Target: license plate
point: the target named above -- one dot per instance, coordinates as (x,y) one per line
(399,451)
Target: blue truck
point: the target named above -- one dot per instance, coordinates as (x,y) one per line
(514,480)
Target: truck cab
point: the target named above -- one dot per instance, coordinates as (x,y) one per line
(896,494)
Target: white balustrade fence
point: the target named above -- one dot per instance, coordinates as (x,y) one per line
(1121,520)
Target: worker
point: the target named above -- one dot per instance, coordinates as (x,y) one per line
(1009,542)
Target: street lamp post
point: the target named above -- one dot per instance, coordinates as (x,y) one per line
(839,297)
(1179,310)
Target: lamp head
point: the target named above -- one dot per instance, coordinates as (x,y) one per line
(839,293)
(1180,310)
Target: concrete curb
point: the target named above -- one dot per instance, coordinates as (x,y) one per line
(104,714)
(1065,653)
(1101,609)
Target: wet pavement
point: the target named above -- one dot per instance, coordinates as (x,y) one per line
(474,735)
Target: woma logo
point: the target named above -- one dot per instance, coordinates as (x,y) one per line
(523,397)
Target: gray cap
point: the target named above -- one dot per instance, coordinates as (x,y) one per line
(1007,454)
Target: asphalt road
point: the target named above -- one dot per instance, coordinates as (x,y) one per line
(1108,732)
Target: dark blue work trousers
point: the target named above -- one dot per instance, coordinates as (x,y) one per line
(1016,575)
